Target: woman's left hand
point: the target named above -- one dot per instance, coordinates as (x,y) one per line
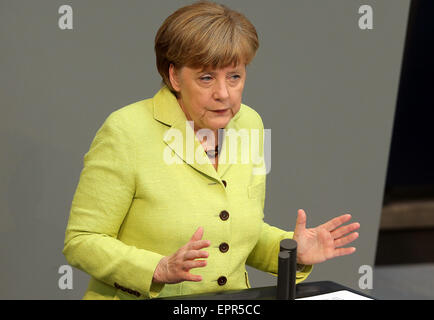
(315,245)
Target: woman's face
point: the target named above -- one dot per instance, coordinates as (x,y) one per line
(210,98)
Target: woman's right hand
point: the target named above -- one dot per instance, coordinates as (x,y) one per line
(175,268)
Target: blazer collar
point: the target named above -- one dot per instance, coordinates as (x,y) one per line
(168,111)
(166,107)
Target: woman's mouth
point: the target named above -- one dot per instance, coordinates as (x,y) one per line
(222,111)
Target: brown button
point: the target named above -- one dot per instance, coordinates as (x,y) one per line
(224,183)
(222,281)
(224,215)
(224,247)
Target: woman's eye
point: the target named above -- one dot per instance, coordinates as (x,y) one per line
(206,78)
(235,77)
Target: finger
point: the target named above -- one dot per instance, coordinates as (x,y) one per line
(191,264)
(197,235)
(346,240)
(339,232)
(300,224)
(195,254)
(336,222)
(192,277)
(197,245)
(344,251)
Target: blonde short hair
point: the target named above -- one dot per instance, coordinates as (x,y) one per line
(204,34)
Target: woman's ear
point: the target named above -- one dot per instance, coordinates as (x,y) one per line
(174,78)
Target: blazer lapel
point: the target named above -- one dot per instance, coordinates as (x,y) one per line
(180,138)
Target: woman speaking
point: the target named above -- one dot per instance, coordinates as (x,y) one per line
(167,203)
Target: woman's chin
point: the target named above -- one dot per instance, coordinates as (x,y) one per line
(218,124)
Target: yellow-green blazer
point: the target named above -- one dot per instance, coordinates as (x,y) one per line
(131,207)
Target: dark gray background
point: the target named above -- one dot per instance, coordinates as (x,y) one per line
(325,88)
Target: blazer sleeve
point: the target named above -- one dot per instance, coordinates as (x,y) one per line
(102,199)
(264,255)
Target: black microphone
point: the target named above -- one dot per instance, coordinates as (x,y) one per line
(287,269)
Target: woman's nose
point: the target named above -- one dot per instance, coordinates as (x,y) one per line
(221,91)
